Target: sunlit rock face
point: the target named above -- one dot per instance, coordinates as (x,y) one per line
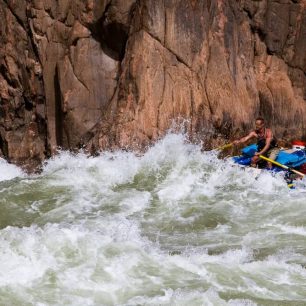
(119,74)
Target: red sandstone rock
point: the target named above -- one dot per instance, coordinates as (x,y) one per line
(113,74)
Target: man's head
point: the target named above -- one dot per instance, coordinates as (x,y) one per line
(259,124)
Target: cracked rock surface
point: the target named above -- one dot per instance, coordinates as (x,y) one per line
(119,73)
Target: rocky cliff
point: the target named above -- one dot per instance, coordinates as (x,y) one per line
(119,73)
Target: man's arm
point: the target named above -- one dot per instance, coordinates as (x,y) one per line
(244,139)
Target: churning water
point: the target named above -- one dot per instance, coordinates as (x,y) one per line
(175,226)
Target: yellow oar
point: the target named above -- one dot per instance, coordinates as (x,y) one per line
(281,165)
(224,147)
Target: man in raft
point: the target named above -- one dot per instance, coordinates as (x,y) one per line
(266,143)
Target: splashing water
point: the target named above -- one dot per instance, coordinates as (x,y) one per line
(175,226)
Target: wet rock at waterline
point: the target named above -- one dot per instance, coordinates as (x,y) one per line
(113,74)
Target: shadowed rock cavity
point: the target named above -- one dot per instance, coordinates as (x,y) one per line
(3,148)
(112,36)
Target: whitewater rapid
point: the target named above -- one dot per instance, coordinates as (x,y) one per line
(175,226)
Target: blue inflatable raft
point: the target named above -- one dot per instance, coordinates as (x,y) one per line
(290,159)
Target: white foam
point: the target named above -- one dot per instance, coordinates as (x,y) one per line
(23,258)
(9,171)
(288,229)
(182,297)
(174,226)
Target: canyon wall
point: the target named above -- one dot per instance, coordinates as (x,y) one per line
(119,73)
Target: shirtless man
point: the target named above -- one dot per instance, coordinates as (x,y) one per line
(266,143)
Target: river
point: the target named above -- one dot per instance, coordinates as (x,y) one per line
(175,226)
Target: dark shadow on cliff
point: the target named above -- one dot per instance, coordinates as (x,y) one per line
(58,110)
(4,147)
(112,37)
